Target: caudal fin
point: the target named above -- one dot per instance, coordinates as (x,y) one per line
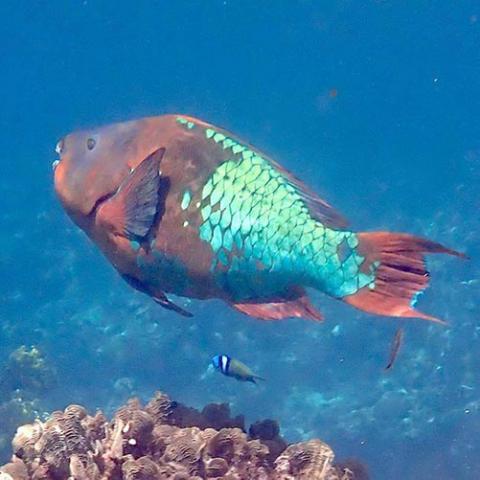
(400,276)
(254,379)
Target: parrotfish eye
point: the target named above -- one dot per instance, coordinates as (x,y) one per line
(91,143)
(59,147)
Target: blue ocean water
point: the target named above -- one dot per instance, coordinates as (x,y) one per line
(374,104)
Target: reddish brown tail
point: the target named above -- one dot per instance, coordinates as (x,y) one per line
(401,275)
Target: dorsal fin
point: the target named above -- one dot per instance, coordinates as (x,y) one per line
(132,210)
(319,209)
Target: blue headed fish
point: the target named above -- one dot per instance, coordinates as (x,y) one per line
(234,368)
(180,206)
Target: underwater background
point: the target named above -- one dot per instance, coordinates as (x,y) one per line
(375,104)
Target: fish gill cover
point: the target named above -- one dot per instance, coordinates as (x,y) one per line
(372,104)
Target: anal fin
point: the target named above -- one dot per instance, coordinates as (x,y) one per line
(298,307)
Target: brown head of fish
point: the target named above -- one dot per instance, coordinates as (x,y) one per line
(94,166)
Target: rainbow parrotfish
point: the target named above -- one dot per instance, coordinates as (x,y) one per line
(180,206)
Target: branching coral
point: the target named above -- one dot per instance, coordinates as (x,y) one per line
(160,442)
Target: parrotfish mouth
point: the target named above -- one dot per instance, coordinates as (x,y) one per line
(58,151)
(83,189)
(100,202)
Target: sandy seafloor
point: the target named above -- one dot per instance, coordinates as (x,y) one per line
(374,103)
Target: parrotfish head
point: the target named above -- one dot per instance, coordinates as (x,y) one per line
(91,167)
(94,163)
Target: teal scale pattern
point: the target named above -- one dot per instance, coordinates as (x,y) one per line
(263,236)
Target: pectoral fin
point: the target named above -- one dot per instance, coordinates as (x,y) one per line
(132,210)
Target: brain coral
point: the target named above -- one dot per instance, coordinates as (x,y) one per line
(160,441)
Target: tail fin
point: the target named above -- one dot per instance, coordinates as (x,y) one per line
(254,379)
(401,275)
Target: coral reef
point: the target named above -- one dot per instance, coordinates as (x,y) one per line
(26,375)
(27,369)
(166,440)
